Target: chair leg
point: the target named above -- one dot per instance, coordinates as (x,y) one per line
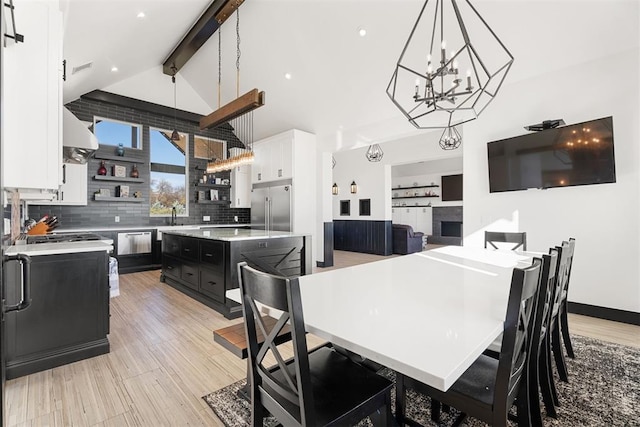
(522,401)
(380,418)
(534,386)
(547,386)
(558,354)
(435,410)
(566,338)
(401,399)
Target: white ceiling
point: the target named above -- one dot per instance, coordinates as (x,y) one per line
(338,78)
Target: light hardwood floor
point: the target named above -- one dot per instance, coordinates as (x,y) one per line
(163,360)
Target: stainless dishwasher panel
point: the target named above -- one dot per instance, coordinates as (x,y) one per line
(134,243)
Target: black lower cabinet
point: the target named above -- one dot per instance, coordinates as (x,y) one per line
(68,319)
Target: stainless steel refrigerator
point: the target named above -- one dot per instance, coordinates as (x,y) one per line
(271,205)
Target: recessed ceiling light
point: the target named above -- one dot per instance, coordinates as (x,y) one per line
(287,76)
(362,32)
(141,15)
(114,69)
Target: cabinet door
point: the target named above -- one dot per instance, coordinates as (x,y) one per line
(241,187)
(31,72)
(261,159)
(286,159)
(424,221)
(73,190)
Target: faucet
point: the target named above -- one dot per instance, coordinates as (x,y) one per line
(174,215)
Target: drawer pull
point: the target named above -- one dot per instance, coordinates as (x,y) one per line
(209,255)
(211,283)
(169,267)
(189,274)
(187,250)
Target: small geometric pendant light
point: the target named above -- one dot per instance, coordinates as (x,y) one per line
(374,153)
(450,139)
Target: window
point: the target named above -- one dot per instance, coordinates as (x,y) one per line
(113,132)
(208,148)
(168,167)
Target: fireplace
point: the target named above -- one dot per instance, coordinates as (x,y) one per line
(447,225)
(451,228)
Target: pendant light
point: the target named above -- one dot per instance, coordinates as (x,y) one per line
(443,78)
(374,153)
(175,135)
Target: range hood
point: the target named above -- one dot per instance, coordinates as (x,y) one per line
(78,143)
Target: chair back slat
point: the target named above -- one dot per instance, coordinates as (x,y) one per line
(546,293)
(562,276)
(291,381)
(517,336)
(518,238)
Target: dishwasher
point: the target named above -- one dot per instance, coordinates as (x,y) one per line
(134,251)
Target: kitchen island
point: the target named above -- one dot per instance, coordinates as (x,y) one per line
(202,263)
(68,316)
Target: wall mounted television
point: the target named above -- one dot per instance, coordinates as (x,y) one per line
(578,154)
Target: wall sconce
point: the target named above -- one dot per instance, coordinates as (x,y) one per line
(354,187)
(334,189)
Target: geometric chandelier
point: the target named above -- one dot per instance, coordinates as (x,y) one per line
(451,67)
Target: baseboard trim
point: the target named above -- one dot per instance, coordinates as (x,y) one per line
(320,264)
(623,316)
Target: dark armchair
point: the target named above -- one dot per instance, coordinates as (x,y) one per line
(405,241)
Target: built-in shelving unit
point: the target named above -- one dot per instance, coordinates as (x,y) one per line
(117,178)
(115,158)
(99,198)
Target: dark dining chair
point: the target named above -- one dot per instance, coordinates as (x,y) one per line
(489,387)
(320,387)
(519,239)
(564,321)
(559,327)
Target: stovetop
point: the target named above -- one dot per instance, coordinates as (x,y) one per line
(58,238)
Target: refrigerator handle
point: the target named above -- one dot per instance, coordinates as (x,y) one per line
(25,262)
(267,212)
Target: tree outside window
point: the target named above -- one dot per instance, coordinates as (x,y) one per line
(168,173)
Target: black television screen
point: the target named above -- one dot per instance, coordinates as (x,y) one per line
(451,188)
(578,154)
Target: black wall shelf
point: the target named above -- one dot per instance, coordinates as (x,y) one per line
(213,202)
(99,198)
(115,158)
(117,178)
(213,185)
(414,197)
(411,206)
(418,186)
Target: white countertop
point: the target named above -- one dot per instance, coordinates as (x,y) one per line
(233,234)
(145,227)
(428,315)
(61,248)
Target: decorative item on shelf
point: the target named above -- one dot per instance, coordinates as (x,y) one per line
(104,192)
(134,172)
(429,88)
(374,153)
(450,139)
(137,194)
(225,181)
(334,189)
(214,194)
(102,170)
(122,191)
(354,187)
(119,171)
(218,181)
(120,150)
(201,195)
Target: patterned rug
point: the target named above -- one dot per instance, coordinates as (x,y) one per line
(604,390)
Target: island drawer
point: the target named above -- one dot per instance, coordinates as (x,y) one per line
(189,275)
(212,284)
(189,248)
(171,267)
(171,245)
(212,254)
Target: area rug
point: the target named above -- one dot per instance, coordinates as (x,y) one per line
(604,390)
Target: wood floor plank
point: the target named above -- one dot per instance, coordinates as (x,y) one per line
(163,360)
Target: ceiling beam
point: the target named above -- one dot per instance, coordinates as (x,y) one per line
(208,23)
(239,106)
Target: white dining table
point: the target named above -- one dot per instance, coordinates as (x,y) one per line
(428,315)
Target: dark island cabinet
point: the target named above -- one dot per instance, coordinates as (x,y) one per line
(205,268)
(68,319)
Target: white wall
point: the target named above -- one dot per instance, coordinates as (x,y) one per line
(374,179)
(602,218)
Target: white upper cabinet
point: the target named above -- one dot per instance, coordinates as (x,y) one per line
(73,190)
(241,187)
(32,83)
(274,158)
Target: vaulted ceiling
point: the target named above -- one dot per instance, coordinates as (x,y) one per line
(338,78)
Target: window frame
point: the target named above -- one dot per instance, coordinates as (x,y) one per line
(136,125)
(209,139)
(168,169)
